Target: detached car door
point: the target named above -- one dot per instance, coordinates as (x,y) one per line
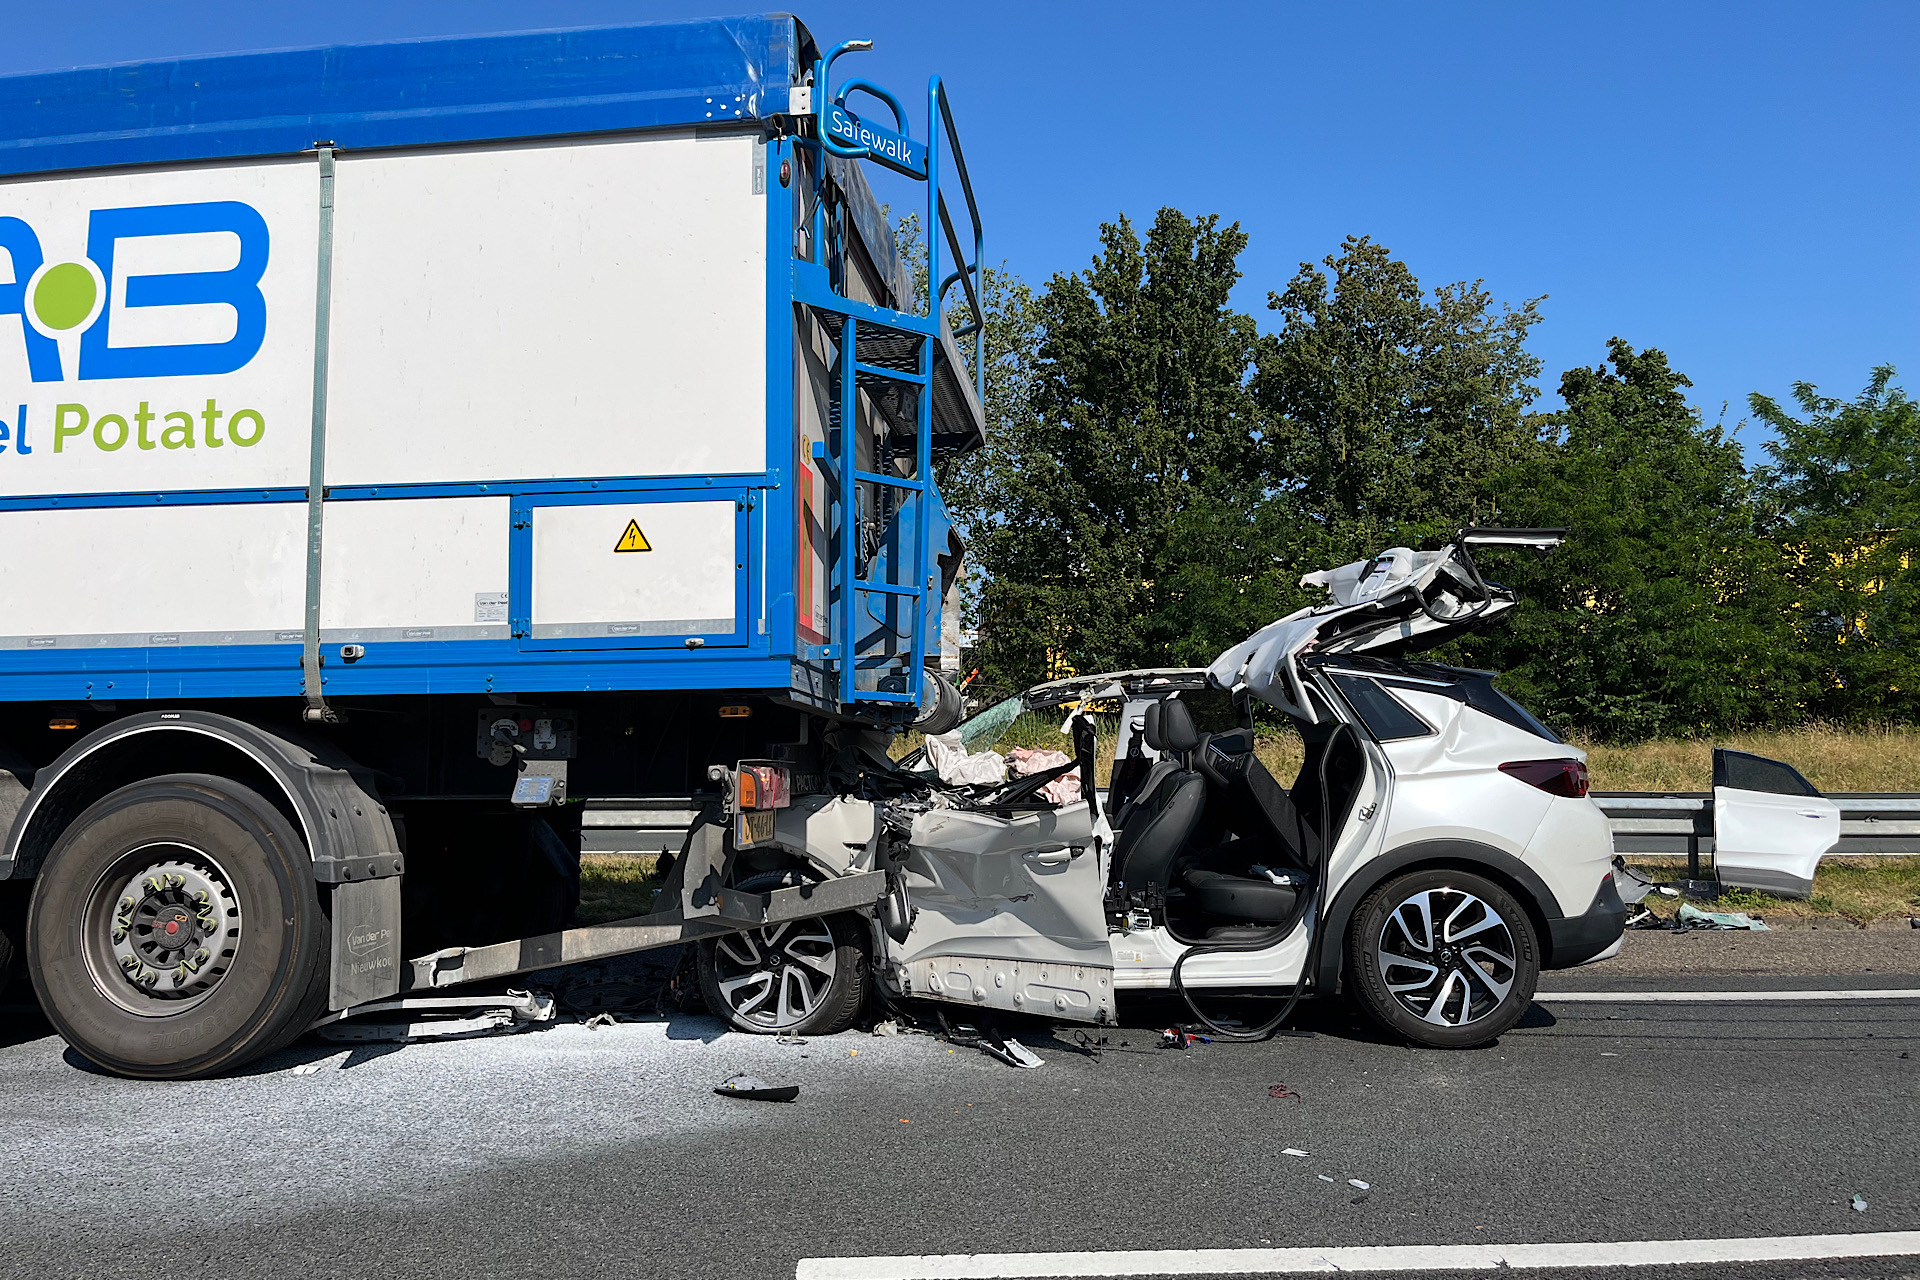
(1770,826)
(1009,913)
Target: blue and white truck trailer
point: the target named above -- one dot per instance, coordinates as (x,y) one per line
(405,443)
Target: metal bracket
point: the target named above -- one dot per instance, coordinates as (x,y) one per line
(317,708)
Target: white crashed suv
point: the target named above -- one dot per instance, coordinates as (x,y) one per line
(1436,850)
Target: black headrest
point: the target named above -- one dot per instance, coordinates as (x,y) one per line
(1151,730)
(1177,733)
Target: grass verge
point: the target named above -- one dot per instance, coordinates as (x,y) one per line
(1860,890)
(1871,758)
(616,886)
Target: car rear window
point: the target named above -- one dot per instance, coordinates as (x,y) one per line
(1385,716)
(1482,696)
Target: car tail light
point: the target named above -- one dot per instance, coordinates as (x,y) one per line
(1555,777)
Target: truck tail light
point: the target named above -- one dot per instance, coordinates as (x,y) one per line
(758,789)
(764,786)
(1555,777)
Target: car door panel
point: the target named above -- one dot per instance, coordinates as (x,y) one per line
(1770,826)
(1009,913)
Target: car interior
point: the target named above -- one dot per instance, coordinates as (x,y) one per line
(1208,840)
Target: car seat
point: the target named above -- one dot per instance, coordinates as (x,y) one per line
(1272,834)
(1157,827)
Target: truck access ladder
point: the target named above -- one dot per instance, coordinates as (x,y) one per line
(886,588)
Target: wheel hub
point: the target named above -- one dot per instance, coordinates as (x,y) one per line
(174,929)
(776,977)
(1447,956)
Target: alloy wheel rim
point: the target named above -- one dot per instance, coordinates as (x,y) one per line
(1448,957)
(776,977)
(162,929)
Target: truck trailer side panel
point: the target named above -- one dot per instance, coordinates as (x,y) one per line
(549,311)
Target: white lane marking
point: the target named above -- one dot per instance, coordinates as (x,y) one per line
(1718,997)
(1447,1257)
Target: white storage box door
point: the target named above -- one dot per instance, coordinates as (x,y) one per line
(626,570)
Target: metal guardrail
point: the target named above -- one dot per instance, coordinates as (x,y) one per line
(1872,824)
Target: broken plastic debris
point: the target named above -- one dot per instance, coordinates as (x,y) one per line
(886,1028)
(1280,1091)
(743,1086)
(1859,1203)
(1295,1151)
(600,1020)
(1358,1185)
(1323,1177)
(1012,1052)
(1698,919)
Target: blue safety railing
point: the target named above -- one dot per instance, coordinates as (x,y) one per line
(912,583)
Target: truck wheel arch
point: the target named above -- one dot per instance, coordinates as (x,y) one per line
(347,831)
(1521,880)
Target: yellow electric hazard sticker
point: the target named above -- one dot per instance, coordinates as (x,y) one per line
(633,539)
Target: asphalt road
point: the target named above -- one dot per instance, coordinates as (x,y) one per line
(573,1152)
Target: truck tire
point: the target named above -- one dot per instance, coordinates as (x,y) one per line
(1444,958)
(13,941)
(176,930)
(802,978)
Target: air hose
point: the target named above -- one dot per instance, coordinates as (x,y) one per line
(1312,961)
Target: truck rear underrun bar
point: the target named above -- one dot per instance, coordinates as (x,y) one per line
(738,912)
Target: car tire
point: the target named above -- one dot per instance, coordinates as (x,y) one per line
(801,978)
(176,930)
(1447,959)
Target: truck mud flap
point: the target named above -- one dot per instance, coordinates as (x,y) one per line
(366,942)
(738,912)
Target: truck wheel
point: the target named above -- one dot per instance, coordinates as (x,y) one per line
(1445,958)
(802,978)
(176,930)
(13,940)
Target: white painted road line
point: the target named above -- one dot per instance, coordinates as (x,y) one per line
(1720,997)
(1445,1257)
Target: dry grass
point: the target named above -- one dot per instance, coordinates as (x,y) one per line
(1859,889)
(615,886)
(1833,759)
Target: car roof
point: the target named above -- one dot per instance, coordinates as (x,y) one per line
(1135,681)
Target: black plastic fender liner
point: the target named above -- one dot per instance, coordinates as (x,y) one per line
(348,833)
(1541,905)
(347,830)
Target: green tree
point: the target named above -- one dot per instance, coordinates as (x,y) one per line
(1664,612)
(1138,413)
(1845,507)
(1392,409)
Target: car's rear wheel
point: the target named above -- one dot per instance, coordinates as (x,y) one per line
(1446,958)
(801,977)
(176,930)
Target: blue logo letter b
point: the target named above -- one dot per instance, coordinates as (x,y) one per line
(237,287)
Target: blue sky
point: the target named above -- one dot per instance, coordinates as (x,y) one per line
(1734,183)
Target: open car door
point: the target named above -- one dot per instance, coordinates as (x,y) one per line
(1770,826)
(1401,601)
(1009,912)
